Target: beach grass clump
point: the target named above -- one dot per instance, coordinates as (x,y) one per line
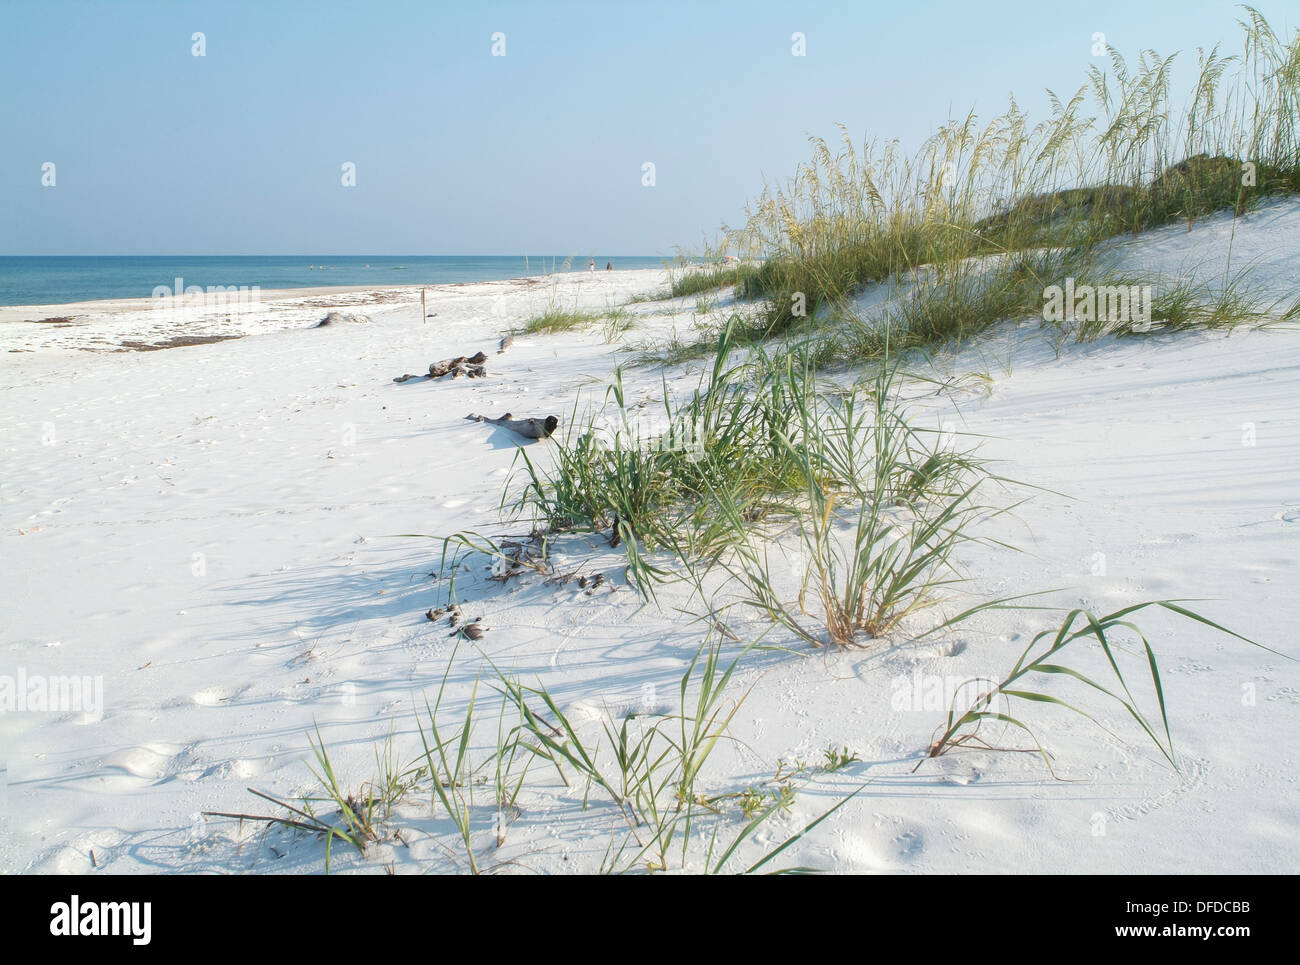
(649,763)
(880,508)
(698,279)
(1172,304)
(556,319)
(700,339)
(615,321)
(1188,303)
(645,473)
(955,305)
(1119,155)
(652,760)
(759,451)
(1045,659)
(960,303)
(451,774)
(676,349)
(658,296)
(357,817)
(945,306)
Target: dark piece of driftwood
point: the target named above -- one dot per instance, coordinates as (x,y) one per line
(470,366)
(460,365)
(528,428)
(506,343)
(469,370)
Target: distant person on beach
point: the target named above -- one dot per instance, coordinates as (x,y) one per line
(591,264)
(609,266)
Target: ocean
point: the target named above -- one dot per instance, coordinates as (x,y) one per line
(52,280)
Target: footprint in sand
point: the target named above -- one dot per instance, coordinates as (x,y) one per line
(240,769)
(962,771)
(76,858)
(909,845)
(858,852)
(949,648)
(889,843)
(149,762)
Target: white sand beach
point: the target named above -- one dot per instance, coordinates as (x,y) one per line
(219,533)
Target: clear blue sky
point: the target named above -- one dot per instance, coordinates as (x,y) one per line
(460,152)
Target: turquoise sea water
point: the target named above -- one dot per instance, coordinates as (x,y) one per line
(51,280)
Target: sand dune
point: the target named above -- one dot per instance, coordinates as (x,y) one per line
(214,531)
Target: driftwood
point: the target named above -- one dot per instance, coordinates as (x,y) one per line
(528,428)
(460,365)
(506,343)
(470,366)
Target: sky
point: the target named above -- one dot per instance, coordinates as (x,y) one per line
(458,151)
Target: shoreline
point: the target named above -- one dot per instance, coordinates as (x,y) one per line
(108,324)
(31,281)
(105,305)
(102,305)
